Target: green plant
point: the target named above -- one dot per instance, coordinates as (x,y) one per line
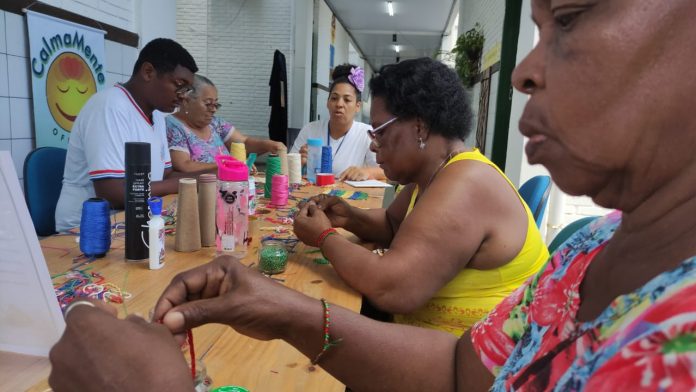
(467,54)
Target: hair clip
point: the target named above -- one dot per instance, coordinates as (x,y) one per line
(357,77)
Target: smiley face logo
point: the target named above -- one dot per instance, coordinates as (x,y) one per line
(69,84)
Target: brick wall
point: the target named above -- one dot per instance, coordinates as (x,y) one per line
(233,42)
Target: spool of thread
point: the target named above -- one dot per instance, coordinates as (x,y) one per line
(238,151)
(295,168)
(188,226)
(207,192)
(272,168)
(283,155)
(326,159)
(95,228)
(324,179)
(279,191)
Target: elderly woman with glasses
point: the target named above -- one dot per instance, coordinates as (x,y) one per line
(196,135)
(460,237)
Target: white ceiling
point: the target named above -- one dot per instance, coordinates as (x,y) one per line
(418,24)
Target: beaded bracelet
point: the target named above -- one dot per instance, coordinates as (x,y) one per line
(325,234)
(327,337)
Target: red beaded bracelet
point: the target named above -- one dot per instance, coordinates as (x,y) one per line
(327,337)
(325,234)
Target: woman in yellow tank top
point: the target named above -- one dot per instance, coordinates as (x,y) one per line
(460,238)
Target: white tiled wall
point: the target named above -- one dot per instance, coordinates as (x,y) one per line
(16,110)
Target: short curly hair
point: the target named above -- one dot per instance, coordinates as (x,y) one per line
(427,89)
(165,55)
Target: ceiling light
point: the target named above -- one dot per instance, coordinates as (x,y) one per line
(397,48)
(390,8)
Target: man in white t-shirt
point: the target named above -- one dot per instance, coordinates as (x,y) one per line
(129,112)
(350,144)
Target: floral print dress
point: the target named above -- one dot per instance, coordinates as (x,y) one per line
(181,138)
(643,341)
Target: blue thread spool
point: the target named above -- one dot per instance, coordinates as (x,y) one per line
(326,159)
(95,227)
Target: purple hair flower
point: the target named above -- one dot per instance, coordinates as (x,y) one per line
(357,77)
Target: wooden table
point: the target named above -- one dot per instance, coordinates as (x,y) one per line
(230,358)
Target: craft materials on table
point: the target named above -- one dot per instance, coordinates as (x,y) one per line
(273,167)
(326,159)
(283,155)
(188,227)
(358,195)
(273,256)
(76,283)
(156,234)
(207,192)
(279,190)
(368,184)
(295,168)
(95,228)
(238,151)
(324,179)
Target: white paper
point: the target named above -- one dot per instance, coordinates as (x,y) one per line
(30,317)
(368,184)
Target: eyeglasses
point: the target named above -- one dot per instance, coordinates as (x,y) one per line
(377,132)
(212,105)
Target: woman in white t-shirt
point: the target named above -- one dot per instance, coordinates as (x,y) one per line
(350,144)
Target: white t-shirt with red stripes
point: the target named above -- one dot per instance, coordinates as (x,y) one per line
(96,149)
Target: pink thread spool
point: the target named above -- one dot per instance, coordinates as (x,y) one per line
(324,179)
(279,190)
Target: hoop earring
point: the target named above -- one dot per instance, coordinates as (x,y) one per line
(421,143)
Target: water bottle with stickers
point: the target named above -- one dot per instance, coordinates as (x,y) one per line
(232,207)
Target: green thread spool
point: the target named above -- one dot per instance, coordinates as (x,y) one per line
(273,257)
(273,167)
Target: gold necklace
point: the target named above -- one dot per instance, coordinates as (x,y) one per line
(442,164)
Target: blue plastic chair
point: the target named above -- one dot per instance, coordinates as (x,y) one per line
(43,180)
(535,193)
(568,231)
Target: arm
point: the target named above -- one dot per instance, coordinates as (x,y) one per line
(372,355)
(355,173)
(257,145)
(447,229)
(183,163)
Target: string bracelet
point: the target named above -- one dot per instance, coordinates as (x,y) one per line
(324,234)
(327,337)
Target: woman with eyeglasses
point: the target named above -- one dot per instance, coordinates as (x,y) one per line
(350,146)
(196,135)
(460,237)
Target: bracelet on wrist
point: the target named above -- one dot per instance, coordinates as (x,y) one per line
(324,234)
(327,344)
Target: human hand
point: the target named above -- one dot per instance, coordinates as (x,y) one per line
(354,173)
(277,147)
(99,352)
(303,154)
(336,209)
(309,223)
(225,291)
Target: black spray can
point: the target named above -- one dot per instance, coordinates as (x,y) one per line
(137,193)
